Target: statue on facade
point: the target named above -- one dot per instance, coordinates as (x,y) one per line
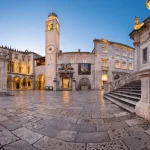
(148,4)
(137,25)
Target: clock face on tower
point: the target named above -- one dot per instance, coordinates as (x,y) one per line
(50,49)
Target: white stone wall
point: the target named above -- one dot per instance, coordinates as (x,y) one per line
(112,57)
(75,58)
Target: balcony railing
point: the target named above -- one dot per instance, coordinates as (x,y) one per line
(105,68)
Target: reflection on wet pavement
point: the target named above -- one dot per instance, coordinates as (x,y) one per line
(68,120)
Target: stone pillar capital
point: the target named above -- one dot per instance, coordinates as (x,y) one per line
(136,44)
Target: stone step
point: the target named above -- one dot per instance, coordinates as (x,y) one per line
(126,96)
(129,92)
(121,104)
(131,102)
(132,85)
(134,88)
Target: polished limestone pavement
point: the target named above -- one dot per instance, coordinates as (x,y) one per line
(64,120)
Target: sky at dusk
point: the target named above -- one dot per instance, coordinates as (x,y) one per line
(22,22)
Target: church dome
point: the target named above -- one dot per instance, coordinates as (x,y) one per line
(52,14)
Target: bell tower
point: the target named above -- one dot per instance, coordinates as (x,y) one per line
(51,49)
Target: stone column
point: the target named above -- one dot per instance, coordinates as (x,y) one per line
(137,56)
(4,57)
(142,108)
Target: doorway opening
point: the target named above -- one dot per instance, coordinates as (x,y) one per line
(66,83)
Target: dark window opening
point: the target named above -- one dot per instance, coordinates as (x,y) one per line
(145,59)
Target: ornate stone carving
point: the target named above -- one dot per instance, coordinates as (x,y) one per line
(123,80)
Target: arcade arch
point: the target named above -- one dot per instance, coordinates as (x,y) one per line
(40,82)
(16,83)
(9,82)
(84,84)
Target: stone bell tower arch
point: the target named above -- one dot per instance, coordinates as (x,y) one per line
(51,49)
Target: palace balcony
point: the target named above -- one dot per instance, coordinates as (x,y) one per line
(105,68)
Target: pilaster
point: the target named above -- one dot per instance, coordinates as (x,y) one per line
(142,108)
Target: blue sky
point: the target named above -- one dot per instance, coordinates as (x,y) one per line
(22,22)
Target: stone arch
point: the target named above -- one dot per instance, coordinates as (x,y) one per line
(16,83)
(84,84)
(30,83)
(9,82)
(23,83)
(40,82)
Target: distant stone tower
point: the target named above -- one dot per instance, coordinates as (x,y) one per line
(51,49)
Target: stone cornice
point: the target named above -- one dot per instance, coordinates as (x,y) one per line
(144,73)
(113,43)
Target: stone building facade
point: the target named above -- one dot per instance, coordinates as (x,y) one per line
(68,70)
(80,70)
(20,69)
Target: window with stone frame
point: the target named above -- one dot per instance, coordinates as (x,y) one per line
(29,83)
(124,53)
(145,57)
(16,56)
(131,55)
(104,49)
(105,62)
(28,58)
(10,66)
(117,51)
(117,64)
(124,65)
(130,66)
(23,58)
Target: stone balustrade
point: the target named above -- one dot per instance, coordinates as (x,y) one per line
(111,86)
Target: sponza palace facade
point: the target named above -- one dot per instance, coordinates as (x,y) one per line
(67,70)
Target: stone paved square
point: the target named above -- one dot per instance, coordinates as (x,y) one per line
(19,145)
(66,135)
(27,135)
(7,137)
(116,145)
(44,122)
(118,134)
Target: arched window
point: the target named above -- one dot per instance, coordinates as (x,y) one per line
(117,64)
(10,66)
(124,65)
(130,66)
